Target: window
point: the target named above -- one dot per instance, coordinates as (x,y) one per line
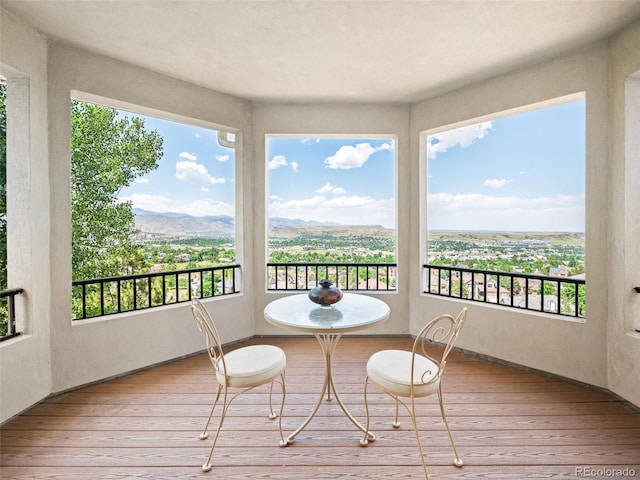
(149,196)
(507,194)
(331,212)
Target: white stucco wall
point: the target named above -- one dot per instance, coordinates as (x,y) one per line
(93,349)
(340,120)
(25,374)
(564,347)
(623,358)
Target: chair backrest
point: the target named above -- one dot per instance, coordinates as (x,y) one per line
(206,325)
(442,330)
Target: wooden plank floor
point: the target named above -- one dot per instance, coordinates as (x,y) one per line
(507,423)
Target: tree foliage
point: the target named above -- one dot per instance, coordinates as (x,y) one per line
(108,152)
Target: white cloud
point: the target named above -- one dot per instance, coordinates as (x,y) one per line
(347,210)
(277,162)
(309,140)
(463,136)
(196,173)
(496,182)
(281,161)
(349,156)
(188,156)
(222,158)
(154,203)
(197,135)
(165,203)
(328,188)
(142,180)
(204,207)
(509,213)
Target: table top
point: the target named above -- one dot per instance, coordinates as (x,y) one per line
(353,312)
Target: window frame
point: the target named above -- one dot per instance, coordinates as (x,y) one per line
(230,136)
(337,136)
(423,187)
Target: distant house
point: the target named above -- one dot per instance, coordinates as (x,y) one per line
(561,271)
(183,257)
(436,282)
(483,286)
(372,284)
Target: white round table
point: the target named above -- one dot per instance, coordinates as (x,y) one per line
(353,312)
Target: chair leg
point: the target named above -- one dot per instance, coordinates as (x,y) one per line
(396,422)
(415,429)
(207,466)
(457,461)
(283,442)
(204,433)
(272,414)
(365,438)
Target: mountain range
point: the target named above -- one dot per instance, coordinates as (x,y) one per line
(174,224)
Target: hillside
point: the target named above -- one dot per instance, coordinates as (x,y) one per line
(171,224)
(182,225)
(311,231)
(559,238)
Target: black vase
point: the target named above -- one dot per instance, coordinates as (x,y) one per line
(325,294)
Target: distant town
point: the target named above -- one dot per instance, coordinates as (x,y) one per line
(552,253)
(174,241)
(366,256)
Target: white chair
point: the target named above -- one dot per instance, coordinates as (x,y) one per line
(414,374)
(244,368)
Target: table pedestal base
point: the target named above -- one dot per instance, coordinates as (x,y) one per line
(328,343)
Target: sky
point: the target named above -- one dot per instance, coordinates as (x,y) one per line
(350,181)
(523,172)
(196,175)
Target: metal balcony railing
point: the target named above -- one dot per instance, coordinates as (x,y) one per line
(8,313)
(347,276)
(557,295)
(111,295)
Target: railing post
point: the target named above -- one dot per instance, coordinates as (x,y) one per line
(578,284)
(11,316)
(338,273)
(106,286)
(10,295)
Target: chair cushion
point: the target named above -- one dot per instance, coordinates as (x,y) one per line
(390,370)
(252,365)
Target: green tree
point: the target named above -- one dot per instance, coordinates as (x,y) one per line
(550,288)
(567,300)
(108,152)
(457,292)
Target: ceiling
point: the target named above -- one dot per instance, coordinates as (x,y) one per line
(329,50)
